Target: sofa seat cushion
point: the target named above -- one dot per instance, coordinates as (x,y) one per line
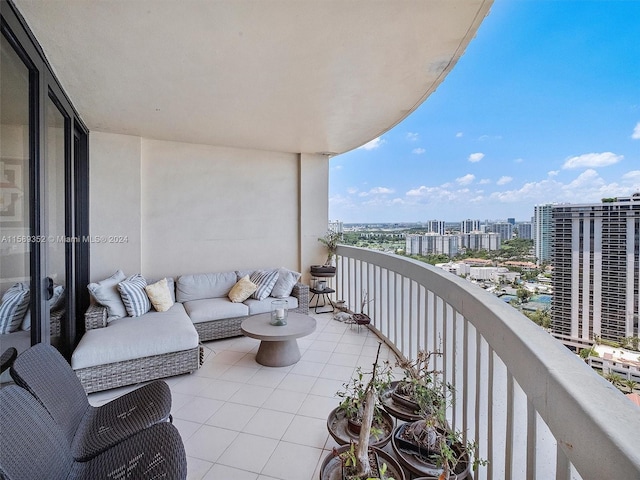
(214,309)
(264,306)
(204,285)
(154,333)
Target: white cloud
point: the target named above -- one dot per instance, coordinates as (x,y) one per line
(636,132)
(466,180)
(373,144)
(633,175)
(484,181)
(377,191)
(518,160)
(412,136)
(476,157)
(553,173)
(352,190)
(381,191)
(459,135)
(418,151)
(592,160)
(504,180)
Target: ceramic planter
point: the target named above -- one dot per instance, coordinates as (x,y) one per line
(417,459)
(331,468)
(343,433)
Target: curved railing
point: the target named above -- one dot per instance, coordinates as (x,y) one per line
(534,408)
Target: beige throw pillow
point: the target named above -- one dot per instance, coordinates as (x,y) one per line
(159,295)
(242,290)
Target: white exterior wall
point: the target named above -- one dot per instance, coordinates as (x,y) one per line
(188,208)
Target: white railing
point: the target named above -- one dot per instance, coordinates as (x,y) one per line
(534,408)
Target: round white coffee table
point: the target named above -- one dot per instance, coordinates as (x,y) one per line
(278,345)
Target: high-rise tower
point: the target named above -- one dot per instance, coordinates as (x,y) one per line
(542,230)
(596,276)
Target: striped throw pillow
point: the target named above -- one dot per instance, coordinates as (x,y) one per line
(134,296)
(265,280)
(15,303)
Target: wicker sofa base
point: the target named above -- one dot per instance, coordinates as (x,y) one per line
(129,372)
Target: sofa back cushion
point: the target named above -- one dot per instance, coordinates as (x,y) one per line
(204,285)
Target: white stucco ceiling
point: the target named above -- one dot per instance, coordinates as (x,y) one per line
(282,75)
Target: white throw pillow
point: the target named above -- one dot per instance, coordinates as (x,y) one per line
(285,283)
(159,295)
(242,290)
(106,293)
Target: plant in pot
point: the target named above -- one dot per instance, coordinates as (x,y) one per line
(428,446)
(330,240)
(419,391)
(345,421)
(359,460)
(362,318)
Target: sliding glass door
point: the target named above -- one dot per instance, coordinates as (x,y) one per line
(43,198)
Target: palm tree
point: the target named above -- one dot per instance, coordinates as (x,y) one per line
(614,378)
(630,384)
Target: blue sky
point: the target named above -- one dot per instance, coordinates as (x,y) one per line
(544,106)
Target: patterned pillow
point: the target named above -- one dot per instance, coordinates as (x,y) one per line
(286,281)
(265,280)
(133,295)
(15,302)
(242,290)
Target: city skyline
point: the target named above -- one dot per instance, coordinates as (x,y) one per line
(543,107)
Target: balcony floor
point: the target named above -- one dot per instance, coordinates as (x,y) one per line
(240,420)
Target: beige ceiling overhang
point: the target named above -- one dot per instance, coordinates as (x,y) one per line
(281,75)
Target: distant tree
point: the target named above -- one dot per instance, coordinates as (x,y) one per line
(630,384)
(523,295)
(614,378)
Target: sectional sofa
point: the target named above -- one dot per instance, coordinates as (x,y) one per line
(119,350)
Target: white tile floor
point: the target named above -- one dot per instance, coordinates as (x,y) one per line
(242,421)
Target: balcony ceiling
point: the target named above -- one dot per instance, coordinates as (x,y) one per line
(288,75)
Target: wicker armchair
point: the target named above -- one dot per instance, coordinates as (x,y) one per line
(88,430)
(34,447)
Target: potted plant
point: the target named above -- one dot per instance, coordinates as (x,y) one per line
(345,421)
(436,452)
(420,391)
(330,240)
(362,318)
(359,460)
(428,446)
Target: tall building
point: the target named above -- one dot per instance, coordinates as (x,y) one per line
(525,230)
(336,227)
(468,226)
(480,241)
(436,226)
(596,276)
(504,229)
(542,231)
(432,243)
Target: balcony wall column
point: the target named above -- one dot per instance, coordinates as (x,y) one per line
(313,218)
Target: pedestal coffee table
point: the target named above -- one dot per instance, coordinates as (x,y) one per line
(278,345)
